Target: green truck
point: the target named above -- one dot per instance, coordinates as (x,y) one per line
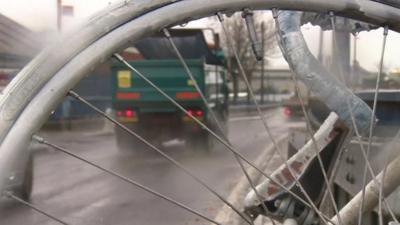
(145,111)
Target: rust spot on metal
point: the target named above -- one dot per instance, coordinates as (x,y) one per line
(286,173)
(297,166)
(333,134)
(279,178)
(272,189)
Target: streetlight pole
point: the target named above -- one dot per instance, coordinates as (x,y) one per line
(262,62)
(355,77)
(59,15)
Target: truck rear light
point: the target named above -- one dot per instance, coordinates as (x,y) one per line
(198,113)
(127,95)
(287,111)
(187,95)
(127,115)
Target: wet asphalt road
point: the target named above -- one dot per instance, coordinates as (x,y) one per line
(82,195)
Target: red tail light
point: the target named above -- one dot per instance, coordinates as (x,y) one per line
(199,113)
(187,95)
(128,95)
(129,113)
(287,111)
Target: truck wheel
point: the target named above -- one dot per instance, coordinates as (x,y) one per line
(201,142)
(126,142)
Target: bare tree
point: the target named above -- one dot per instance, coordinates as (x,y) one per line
(237,30)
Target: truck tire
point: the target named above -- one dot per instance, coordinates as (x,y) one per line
(126,142)
(202,142)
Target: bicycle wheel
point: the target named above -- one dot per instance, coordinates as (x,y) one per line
(49,77)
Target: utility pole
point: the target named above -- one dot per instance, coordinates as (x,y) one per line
(320,46)
(262,61)
(355,75)
(59,15)
(342,50)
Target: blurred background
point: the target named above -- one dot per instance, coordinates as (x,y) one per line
(86,196)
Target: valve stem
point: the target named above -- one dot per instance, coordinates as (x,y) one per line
(256,44)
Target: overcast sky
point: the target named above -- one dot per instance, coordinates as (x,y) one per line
(40,15)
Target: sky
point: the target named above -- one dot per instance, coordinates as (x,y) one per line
(40,15)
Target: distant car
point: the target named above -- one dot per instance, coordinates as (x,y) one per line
(292,107)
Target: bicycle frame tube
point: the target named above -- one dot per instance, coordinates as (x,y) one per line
(318,80)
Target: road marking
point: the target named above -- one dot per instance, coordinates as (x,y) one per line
(226,215)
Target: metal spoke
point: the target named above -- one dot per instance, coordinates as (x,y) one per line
(358,136)
(166,156)
(262,118)
(195,84)
(372,173)
(126,179)
(214,117)
(228,146)
(365,154)
(317,152)
(389,156)
(340,154)
(372,122)
(381,195)
(309,128)
(37,209)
